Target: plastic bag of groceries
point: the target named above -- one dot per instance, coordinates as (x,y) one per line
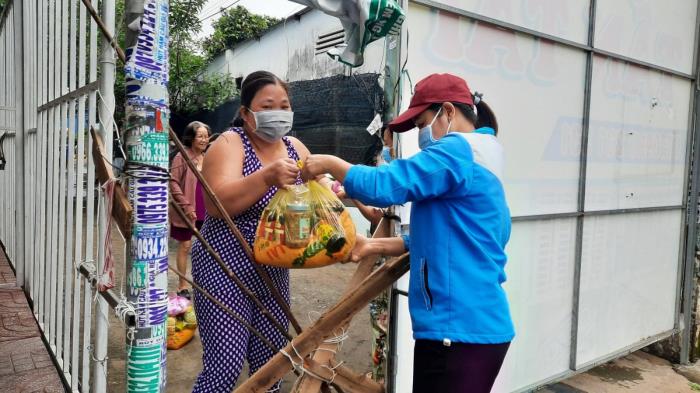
(177,305)
(304,226)
(182,322)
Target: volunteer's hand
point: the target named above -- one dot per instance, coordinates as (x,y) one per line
(315,165)
(192,216)
(363,248)
(338,189)
(281,173)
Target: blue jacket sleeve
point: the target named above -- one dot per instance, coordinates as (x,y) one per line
(432,173)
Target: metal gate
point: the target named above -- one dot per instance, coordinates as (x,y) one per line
(49,206)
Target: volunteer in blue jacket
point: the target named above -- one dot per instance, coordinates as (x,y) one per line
(460,225)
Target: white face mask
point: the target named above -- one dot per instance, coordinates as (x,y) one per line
(425,134)
(272,125)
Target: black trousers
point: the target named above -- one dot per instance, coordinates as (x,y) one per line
(459,368)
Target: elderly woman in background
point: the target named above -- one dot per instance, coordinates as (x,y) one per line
(187,192)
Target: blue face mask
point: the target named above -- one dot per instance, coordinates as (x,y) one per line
(425,135)
(386,154)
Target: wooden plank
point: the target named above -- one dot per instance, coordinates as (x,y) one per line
(312,337)
(121,208)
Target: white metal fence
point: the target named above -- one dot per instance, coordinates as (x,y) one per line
(8,115)
(48,195)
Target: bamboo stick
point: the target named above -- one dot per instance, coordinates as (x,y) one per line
(105,31)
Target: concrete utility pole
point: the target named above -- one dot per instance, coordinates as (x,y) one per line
(146,137)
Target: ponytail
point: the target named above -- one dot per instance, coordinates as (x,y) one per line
(485,117)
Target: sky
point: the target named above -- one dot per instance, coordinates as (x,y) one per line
(275,8)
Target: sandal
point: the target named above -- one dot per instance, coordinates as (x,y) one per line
(185,293)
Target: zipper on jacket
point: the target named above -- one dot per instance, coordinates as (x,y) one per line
(427,295)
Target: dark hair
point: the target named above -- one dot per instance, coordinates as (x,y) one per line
(191,131)
(250,87)
(237,122)
(256,81)
(485,117)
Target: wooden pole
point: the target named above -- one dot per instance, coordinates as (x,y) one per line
(105,31)
(121,208)
(344,379)
(312,337)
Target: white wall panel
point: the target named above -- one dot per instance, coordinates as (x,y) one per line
(658,32)
(637,138)
(628,291)
(404,348)
(540,289)
(535,88)
(561,18)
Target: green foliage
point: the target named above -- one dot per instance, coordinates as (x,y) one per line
(185,64)
(694,386)
(208,93)
(191,89)
(119,79)
(184,21)
(235,26)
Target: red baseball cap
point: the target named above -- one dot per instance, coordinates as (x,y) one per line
(433,89)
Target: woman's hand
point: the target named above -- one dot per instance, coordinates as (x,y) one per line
(192,216)
(281,173)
